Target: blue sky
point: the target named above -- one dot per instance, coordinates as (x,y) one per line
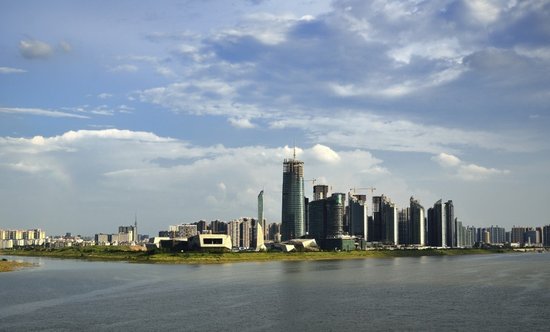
(184,110)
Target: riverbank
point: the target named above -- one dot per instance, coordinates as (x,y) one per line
(7,266)
(129,255)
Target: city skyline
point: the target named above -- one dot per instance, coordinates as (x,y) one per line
(182,111)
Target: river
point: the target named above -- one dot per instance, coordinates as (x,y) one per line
(504,292)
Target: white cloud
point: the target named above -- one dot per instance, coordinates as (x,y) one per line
(125,68)
(201,97)
(241,123)
(484,11)
(9,70)
(42,112)
(447,160)
(65,46)
(371,131)
(464,171)
(35,49)
(166,179)
(474,172)
(325,154)
(104,95)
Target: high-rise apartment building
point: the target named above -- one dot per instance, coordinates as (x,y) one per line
(404,226)
(517,234)
(497,235)
(450,224)
(417,225)
(385,220)
(218,227)
(357,215)
(546,236)
(436,226)
(293,209)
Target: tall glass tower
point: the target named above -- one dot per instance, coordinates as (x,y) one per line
(293,210)
(261,209)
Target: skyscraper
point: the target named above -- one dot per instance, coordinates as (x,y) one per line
(327,217)
(261,209)
(385,220)
(436,226)
(293,210)
(417,226)
(258,225)
(546,236)
(357,215)
(450,224)
(320,191)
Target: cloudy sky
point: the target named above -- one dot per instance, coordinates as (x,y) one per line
(184,110)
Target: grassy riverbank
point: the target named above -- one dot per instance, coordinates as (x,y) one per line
(126,254)
(6,266)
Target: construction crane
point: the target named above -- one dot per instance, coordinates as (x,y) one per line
(312,181)
(372,189)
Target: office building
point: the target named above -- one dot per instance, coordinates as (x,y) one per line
(546,235)
(293,210)
(327,217)
(258,225)
(320,191)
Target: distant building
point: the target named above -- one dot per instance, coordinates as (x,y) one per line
(293,210)
(436,226)
(531,237)
(517,235)
(21,238)
(202,227)
(385,220)
(261,218)
(320,191)
(450,225)
(258,226)
(404,225)
(417,226)
(210,242)
(357,215)
(326,218)
(218,227)
(497,235)
(470,237)
(274,232)
(241,232)
(233,230)
(546,235)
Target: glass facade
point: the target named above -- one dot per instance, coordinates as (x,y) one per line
(293,212)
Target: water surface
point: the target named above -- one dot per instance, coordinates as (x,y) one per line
(480,292)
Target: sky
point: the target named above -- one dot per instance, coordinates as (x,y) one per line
(176,111)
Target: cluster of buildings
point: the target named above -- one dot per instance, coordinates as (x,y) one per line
(344,221)
(37,237)
(17,237)
(127,235)
(329,221)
